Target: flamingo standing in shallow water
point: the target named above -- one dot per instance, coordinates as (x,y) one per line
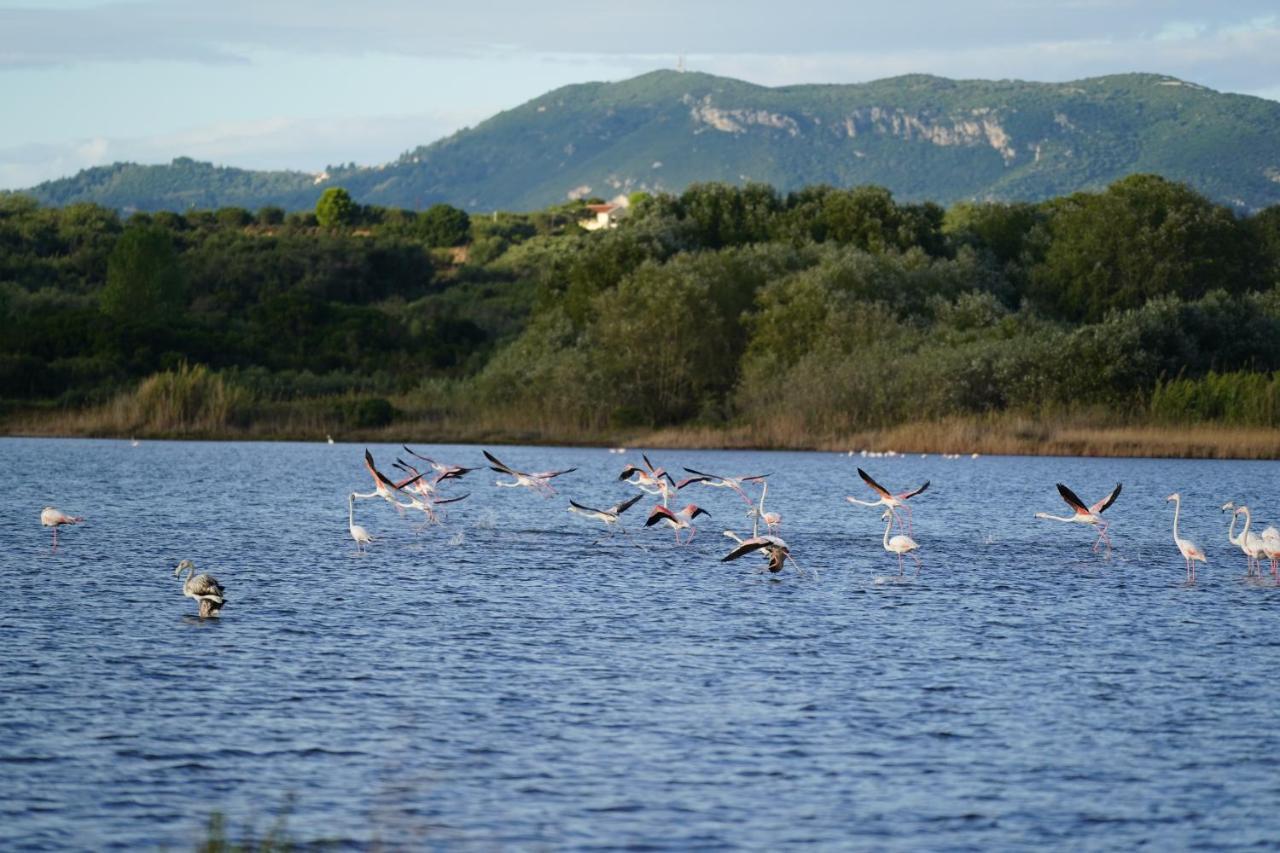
(55,518)
(889,499)
(203,588)
(1190,551)
(358,533)
(682,520)
(1086,514)
(900,544)
(537,482)
(1253,545)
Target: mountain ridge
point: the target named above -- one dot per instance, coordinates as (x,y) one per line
(924,137)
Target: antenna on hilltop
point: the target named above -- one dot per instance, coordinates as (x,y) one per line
(680,63)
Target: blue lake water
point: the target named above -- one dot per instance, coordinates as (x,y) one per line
(503,681)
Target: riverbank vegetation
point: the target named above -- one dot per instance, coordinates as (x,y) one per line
(1139,319)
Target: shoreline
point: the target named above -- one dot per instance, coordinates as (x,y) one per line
(1001,435)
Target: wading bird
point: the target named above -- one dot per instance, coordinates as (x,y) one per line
(1271,546)
(537,482)
(55,518)
(682,520)
(889,499)
(1249,542)
(772,520)
(1190,551)
(358,533)
(612,517)
(203,588)
(1086,514)
(900,544)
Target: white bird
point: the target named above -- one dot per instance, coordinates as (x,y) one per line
(887,498)
(737,484)
(677,521)
(1271,545)
(55,518)
(1190,551)
(1253,545)
(1086,514)
(203,588)
(900,544)
(772,520)
(358,533)
(537,481)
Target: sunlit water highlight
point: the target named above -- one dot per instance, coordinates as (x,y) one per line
(504,681)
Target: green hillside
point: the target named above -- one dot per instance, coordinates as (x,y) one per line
(922,137)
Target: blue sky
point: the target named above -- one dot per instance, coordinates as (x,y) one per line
(305,83)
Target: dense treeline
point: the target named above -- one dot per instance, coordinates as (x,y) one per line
(822,311)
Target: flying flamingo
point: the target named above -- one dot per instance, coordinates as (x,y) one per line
(1190,551)
(55,518)
(655,481)
(612,517)
(1086,514)
(889,499)
(682,520)
(443,471)
(203,588)
(537,482)
(774,548)
(358,533)
(900,544)
(737,484)
(383,487)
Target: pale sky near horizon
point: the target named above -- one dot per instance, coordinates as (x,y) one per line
(274,84)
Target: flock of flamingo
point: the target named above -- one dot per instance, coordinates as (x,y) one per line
(421,489)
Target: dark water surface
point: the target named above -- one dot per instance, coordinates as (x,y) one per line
(503,681)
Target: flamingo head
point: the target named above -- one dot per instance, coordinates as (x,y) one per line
(183,566)
(1173,497)
(1228,505)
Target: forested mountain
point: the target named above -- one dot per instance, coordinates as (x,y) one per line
(922,137)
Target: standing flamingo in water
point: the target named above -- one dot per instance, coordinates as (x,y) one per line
(1253,545)
(203,588)
(358,533)
(889,499)
(771,519)
(1086,514)
(55,518)
(900,544)
(1190,551)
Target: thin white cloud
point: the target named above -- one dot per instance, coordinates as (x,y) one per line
(277,143)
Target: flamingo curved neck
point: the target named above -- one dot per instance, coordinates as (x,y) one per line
(1177,508)
(887,527)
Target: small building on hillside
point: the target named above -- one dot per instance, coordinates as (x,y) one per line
(605,215)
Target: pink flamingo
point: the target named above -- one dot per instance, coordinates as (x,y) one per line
(55,518)
(383,486)
(1190,551)
(1086,514)
(900,544)
(889,499)
(682,520)
(443,471)
(537,482)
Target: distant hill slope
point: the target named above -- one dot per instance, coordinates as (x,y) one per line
(922,137)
